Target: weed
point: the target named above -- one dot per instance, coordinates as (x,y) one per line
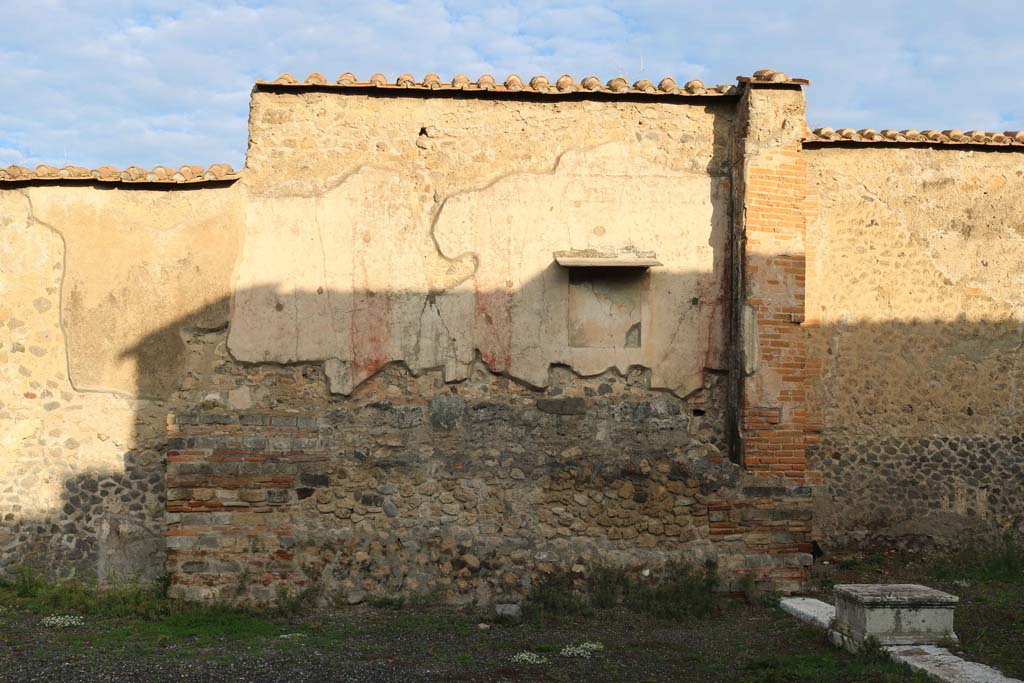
(387,602)
(26,582)
(675,591)
(32,592)
(871,650)
(754,594)
(528,658)
(554,597)
(291,602)
(584,650)
(983,561)
(607,586)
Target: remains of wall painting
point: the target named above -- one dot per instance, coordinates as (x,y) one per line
(917,318)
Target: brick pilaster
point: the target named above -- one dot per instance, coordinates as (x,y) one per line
(772,206)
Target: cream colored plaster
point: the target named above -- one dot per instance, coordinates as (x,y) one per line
(346,278)
(918,256)
(48,431)
(358,277)
(140,265)
(607,200)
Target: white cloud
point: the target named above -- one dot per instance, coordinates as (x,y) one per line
(146,82)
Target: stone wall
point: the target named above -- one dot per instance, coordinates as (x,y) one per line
(85,272)
(470,491)
(917,317)
(423,230)
(359,368)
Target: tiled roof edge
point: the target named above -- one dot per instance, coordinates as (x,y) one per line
(1010,138)
(564,84)
(131,174)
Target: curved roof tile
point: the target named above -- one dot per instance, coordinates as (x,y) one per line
(953,136)
(131,174)
(539,84)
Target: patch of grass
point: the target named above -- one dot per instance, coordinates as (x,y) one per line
(674,591)
(555,597)
(818,668)
(196,626)
(288,603)
(386,602)
(607,586)
(870,664)
(140,615)
(1000,560)
(987,575)
(30,591)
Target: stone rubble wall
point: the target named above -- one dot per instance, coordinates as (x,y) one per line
(917,317)
(359,369)
(470,491)
(344,372)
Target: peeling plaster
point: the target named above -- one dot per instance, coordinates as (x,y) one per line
(431,284)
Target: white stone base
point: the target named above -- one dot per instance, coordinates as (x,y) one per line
(943,665)
(938,663)
(895,614)
(810,611)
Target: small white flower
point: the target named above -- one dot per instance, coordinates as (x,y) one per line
(292,635)
(528,658)
(646,573)
(62,621)
(586,649)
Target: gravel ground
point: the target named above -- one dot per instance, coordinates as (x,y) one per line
(740,643)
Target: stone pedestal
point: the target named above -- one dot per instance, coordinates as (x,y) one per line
(893,614)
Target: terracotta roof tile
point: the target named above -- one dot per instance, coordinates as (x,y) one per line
(540,84)
(109,174)
(1010,138)
(771,76)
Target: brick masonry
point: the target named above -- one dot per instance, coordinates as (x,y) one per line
(775,205)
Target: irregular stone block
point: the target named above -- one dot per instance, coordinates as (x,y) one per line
(314,479)
(509,612)
(445,411)
(562,406)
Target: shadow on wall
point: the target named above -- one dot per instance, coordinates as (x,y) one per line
(921,442)
(112,524)
(922,432)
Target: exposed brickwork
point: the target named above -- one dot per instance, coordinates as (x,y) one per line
(232,481)
(777,203)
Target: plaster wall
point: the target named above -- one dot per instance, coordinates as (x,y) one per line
(433,223)
(915,310)
(85,274)
(359,368)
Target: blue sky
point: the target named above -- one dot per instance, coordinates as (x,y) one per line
(150,82)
